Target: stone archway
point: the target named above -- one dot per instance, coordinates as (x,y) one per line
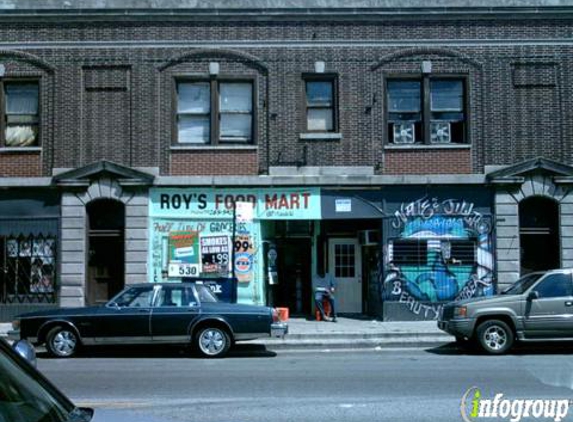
(533,203)
(82,189)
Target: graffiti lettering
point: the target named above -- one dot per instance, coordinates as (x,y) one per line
(425,209)
(419,308)
(473,286)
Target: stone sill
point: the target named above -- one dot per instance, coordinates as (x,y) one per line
(185,148)
(426,146)
(320,136)
(15,150)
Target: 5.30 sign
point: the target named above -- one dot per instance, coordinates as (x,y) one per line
(183,270)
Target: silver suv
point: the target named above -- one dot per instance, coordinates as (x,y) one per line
(538,307)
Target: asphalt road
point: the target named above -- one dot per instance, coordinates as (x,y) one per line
(347,386)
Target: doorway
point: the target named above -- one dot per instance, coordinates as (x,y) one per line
(106,250)
(539,234)
(344,264)
(294,266)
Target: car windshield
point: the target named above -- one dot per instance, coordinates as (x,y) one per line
(522,284)
(134,297)
(205,294)
(23,399)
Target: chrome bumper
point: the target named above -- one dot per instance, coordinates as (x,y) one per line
(279,329)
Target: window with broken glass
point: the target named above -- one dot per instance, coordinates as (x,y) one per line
(19,106)
(426,111)
(27,269)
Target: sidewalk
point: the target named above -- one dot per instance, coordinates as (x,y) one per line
(349,333)
(354,333)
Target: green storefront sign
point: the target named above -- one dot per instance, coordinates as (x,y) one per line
(193,232)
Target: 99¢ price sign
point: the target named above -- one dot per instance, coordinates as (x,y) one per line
(244,252)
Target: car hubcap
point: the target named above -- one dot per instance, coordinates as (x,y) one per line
(212,342)
(495,337)
(64,343)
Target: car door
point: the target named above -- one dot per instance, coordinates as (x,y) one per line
(551,314)
(175,308)
(126,318)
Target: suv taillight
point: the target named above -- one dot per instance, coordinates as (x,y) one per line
(275,315)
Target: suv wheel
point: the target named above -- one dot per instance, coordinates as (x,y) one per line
(495,336)
(212,342)
(62,342)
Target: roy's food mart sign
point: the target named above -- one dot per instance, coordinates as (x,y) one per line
(268,204)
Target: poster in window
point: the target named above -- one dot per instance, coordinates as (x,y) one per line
(215,255)
(12,248)
(244,255)
(25,248)
(183,254)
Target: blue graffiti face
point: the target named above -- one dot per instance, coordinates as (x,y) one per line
(431,271)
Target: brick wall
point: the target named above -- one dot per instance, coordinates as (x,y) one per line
(428,162)
(20,164)
(514,113)
(216,163)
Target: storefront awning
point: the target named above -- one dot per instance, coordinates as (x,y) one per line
(350,205)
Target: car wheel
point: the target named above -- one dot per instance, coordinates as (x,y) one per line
(495,337)
(212,342)
(62,342)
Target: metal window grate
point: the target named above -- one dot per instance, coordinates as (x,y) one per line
(28,269)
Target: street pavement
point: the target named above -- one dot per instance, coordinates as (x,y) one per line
(260,385)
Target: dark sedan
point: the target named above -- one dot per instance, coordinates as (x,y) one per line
(169,313)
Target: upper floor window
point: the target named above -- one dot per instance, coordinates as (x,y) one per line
(426,111)
(19,102)
(215,112)
(320,97)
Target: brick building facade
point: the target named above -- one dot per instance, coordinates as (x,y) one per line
(429,139)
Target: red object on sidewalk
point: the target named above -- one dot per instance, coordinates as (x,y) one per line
(283,314)
(325,306)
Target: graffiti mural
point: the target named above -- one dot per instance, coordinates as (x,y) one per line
(437,251)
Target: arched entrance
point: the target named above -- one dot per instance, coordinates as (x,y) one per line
(539,234)
(106,250)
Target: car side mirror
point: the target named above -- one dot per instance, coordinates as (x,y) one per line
(533,295)
(25,349)
(82,414)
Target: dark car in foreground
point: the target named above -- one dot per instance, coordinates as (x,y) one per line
(28,396)
(537,308)
(161,313)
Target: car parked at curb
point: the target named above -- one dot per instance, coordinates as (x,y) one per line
(152,313)
(536,308)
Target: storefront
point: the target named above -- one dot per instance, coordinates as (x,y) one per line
(438,247)
(29,226)
(200,232)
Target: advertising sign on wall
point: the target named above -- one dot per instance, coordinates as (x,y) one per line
(215,255)
(183,254)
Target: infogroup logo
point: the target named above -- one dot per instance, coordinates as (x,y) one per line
(475,407)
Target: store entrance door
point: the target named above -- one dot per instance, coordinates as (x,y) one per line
(344,264)
(294,266)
